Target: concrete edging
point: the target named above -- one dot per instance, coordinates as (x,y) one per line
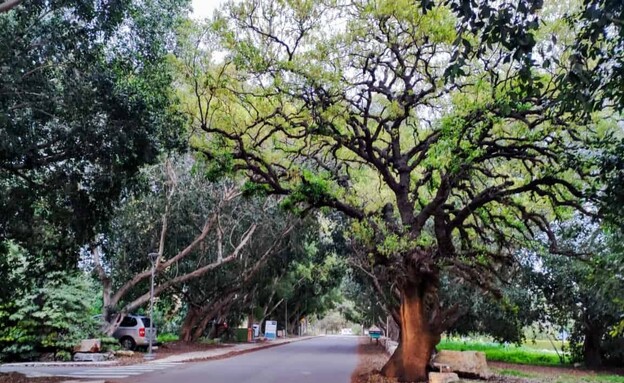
(388,344)
(224,355)
(61,364)
(232,353)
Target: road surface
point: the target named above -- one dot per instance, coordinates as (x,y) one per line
(318,360)
(330,359)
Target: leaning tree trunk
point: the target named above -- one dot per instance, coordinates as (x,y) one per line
(417,338)
(200,330)
(190,322)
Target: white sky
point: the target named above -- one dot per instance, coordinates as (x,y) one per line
(204,8)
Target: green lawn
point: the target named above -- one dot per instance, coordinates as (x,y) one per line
(540,353)
(503,353)
(542,344)
(590,379)
(562,378)
(516,373)
(164,338)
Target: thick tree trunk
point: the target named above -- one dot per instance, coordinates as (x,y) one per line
(208,312)
(591,347)
(190,321)
(417,338)
(201,329)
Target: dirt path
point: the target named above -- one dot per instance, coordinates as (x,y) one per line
(371,359)
(14,377)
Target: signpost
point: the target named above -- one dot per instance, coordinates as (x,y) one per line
(270,329)
(374,333)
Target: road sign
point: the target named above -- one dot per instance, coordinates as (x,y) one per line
(270,329)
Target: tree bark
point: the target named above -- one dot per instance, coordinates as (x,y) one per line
(201,328)
(417,340)
(591,347)
(8,5)
(186,330)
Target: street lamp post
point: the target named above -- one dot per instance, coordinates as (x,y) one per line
(153,257)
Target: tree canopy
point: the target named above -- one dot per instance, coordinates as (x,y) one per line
(442,163)
(85,101)
(423,145)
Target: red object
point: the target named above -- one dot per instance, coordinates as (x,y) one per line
(224,325)
(142,332)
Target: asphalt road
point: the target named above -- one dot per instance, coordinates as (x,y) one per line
(318,360)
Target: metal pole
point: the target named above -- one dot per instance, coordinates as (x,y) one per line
(285,318)
(151,314)
(153,257)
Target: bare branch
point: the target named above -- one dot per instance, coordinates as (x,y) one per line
(9,4)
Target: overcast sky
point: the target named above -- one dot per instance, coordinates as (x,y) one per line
(204,8)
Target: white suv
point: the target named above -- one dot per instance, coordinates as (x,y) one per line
(134,331)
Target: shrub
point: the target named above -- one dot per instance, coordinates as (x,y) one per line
(50,317)
(110,344)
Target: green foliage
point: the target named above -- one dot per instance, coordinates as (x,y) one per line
(584,291)
(63,355)
(51,315)
(502,353)
(596,76)
(275,265)
(85,101)
(109,343)
(313,189)
(251,189)
(546,376)
(332,322)
(167,337)
(612,164)
(443,162)
(503,315)
(363,304)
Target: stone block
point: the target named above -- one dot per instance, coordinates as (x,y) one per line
(89,345)
(469,364)
(90,357)
(442,367)
(443,377)
(83,381)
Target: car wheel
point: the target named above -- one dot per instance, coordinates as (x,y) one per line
(127,343)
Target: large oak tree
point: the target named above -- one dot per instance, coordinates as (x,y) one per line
(444,155)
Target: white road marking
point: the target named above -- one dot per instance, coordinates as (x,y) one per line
(120,371)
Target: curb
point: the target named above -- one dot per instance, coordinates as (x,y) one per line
(60,364)
(389,345)
(237,352)
(115,363)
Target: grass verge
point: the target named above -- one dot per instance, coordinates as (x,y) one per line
(505,353)
(590,379)
(165,338)
(516,373)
